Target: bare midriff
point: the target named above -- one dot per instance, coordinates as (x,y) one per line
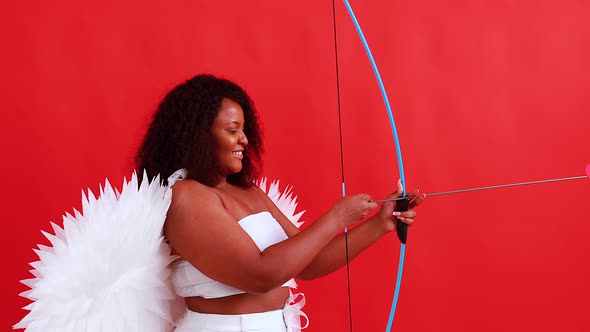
(240,303)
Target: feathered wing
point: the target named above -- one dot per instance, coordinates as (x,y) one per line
(285,200)
(107,267)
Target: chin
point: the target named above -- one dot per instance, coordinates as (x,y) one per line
(238,168)
(235,170)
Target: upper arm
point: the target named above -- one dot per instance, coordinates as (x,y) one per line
(202,231)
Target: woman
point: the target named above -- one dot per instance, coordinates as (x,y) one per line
(238,252)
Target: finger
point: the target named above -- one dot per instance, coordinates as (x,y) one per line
(365,197)
(408,221)
(398,192)
(408,214)
(418,200)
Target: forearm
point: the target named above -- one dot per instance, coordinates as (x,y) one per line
(333,255)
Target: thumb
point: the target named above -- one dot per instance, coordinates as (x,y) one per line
(398,192)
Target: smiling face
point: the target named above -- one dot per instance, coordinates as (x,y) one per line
(228,140)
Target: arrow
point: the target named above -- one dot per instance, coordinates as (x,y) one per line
(491,187)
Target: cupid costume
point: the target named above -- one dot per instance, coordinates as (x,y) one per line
(109,268)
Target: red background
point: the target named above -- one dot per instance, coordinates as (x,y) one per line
(483,92)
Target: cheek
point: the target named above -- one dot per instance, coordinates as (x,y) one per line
(224,145)
(231,141)
(218,142)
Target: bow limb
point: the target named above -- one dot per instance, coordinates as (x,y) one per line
(400,226)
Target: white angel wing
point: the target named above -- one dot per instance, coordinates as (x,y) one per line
(285,200)
(107,268)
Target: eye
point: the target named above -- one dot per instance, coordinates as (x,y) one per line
(235,131)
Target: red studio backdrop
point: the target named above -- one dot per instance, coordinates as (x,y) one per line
(483,93)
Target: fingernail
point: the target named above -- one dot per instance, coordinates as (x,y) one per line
(396,213)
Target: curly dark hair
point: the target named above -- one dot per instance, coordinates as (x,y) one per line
(179,133)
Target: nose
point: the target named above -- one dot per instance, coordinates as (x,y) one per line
(242,139)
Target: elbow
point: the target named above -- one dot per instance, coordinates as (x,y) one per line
(260,288)
(307,275)
(314,271)
(262,284)
(263,278)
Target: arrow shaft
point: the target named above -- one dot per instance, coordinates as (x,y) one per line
(440,193)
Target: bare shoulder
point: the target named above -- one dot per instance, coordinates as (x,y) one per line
(191,199)
(191,192)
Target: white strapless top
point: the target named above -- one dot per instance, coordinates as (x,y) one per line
(264,230)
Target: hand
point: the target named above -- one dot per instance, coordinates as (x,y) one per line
(352,209)
(388,214)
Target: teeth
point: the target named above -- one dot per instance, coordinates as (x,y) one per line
(237,153)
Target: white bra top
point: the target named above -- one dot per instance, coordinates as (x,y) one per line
(264,230)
